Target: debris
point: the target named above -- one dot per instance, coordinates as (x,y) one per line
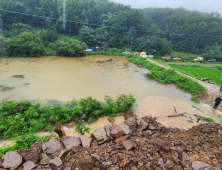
(116,131)
(11,160)
(155,147)
(29,165)
(69,142)
(86,141)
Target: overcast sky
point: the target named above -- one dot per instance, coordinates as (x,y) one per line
(200,5)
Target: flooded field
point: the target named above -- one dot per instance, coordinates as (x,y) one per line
(62,79)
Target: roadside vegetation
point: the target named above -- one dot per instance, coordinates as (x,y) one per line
(165,76)
(23,117)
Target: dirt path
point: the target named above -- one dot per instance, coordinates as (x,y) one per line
(206,97)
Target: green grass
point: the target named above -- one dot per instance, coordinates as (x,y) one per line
(194,99)
(195,64)
(206,119)
(201,72)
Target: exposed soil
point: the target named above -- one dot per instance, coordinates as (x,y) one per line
(205,97)
(142,144)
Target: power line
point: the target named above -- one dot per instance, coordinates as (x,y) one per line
(71,21)
(74,21)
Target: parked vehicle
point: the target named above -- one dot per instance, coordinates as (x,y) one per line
(199,59)
(95,49)
(126,52)
(177,59)
(212,60)
(187,59)
(136,53)
(166,57)
(152,56)
(143,55)
(88,49)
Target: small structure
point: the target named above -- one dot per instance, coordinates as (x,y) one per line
(166,57)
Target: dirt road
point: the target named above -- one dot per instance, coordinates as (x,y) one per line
(206,97)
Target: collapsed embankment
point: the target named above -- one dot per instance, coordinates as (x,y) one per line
(140,143)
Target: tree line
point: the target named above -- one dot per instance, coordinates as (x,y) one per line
(189,31)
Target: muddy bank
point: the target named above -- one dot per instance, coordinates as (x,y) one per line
(137,144)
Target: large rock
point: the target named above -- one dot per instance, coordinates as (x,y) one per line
(108,128)
(52,147)
(116,131)
(56,163)
(198,165)
(44,159)
(29,165)
(121,139)
(125,128)
(142,125)
(132,124)
(70,142)
(127,145)
(36,147)
(87,163)
(86,141)
(11,160)
(32,156)
(100,135)
(185,157)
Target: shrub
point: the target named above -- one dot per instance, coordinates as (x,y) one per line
(22,117)
(69,48)
(26,44)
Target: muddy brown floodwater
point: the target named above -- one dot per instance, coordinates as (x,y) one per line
(62,79)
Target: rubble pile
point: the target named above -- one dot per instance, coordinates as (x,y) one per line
(140,143)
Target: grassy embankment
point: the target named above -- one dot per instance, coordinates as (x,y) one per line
(214,74)
(194,69)
(165,76)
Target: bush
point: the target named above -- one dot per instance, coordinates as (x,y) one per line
(69,48)
(22,117)
(26,44)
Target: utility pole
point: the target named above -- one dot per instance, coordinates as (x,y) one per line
(64,15)
(205,51)
(131,44)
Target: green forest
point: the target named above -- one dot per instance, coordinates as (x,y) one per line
(37,28)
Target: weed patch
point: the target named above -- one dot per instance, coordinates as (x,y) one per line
(165,76)
(23,117)
(196,100)
(25,141)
